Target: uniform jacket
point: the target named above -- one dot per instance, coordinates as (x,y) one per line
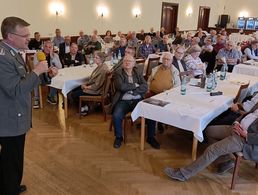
(15,93)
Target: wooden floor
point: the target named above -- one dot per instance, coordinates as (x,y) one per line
(76,157)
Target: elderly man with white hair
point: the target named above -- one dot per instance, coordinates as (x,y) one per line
(230,54)
(163,77)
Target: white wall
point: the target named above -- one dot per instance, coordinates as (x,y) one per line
(81,14)
(234,7)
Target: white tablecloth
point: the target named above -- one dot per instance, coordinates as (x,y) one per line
(246,69)
(194,110)
(238,38)
(72,77)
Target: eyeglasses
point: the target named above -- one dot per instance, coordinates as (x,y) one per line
(179,52)
(23,36)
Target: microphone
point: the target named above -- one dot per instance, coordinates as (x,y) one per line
(42,57)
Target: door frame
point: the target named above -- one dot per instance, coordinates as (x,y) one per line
(169,4)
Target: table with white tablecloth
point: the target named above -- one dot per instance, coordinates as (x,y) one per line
(193,111)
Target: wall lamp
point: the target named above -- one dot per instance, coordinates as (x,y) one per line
(56,8)
(102,11)
(136,12)
(189,11)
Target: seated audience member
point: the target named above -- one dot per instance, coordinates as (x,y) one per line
(208,55)
(54,64)
(133,42)
(242,136)
(121,48)
(193,61)
(252,51)
(99,39)
(163,77)
(146,48)
(36,43)
(201,36)
(213,36)
(178,61)
(152,33)
(195,41)
(64,48)
(230,115)
(130,88)
(221,40)
(178,37)
(231,55)
(141,35)
(108,37)
(58,39)
(187,42)
(162,32)
(94,85)
(129,35)
(156,39)
(163,45)
(128,51)
(118,36)
(93,45)
(74,57)
(82,40)
(224,33)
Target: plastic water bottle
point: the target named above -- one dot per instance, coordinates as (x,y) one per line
(214,80)
(91,59)
(119,56)
(223,72)
(209,83)
(183,86)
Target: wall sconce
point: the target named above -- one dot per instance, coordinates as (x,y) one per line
(189,11)
(243,14)
(56,8)
(136,12)
(102,11)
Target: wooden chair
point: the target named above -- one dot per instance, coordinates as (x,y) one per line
(239,93)
(152,63)
(239,157)
(104,98)
(126,118)
(140,63)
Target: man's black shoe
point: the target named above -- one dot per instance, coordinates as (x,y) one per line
(153,142)
(22,188)
(118,142)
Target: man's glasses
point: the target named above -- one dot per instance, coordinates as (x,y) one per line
(23,36)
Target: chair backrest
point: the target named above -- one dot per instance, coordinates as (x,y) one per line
(29,62)
(152,63)
(188,73)
(241,91)
(140,66)
(105,96)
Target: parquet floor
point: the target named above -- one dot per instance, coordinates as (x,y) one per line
(76,157)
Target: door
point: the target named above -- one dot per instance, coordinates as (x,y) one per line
(204,17)
(169,16)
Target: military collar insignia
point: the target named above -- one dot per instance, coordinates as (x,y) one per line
(12,52)
(2,52)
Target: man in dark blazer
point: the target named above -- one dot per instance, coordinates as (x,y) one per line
(64,48)
(242,136)
(16,85)
(74,57)
(178,61)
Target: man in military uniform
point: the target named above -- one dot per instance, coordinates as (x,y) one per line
(16,85)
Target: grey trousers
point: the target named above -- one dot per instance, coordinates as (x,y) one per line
(230,144)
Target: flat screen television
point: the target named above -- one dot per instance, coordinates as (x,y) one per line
(250,24)
(241,23)
(256,24)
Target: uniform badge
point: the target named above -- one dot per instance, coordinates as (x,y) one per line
(2,52)
(12,52)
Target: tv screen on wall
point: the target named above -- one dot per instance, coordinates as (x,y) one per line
(241,23)
(250,24)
